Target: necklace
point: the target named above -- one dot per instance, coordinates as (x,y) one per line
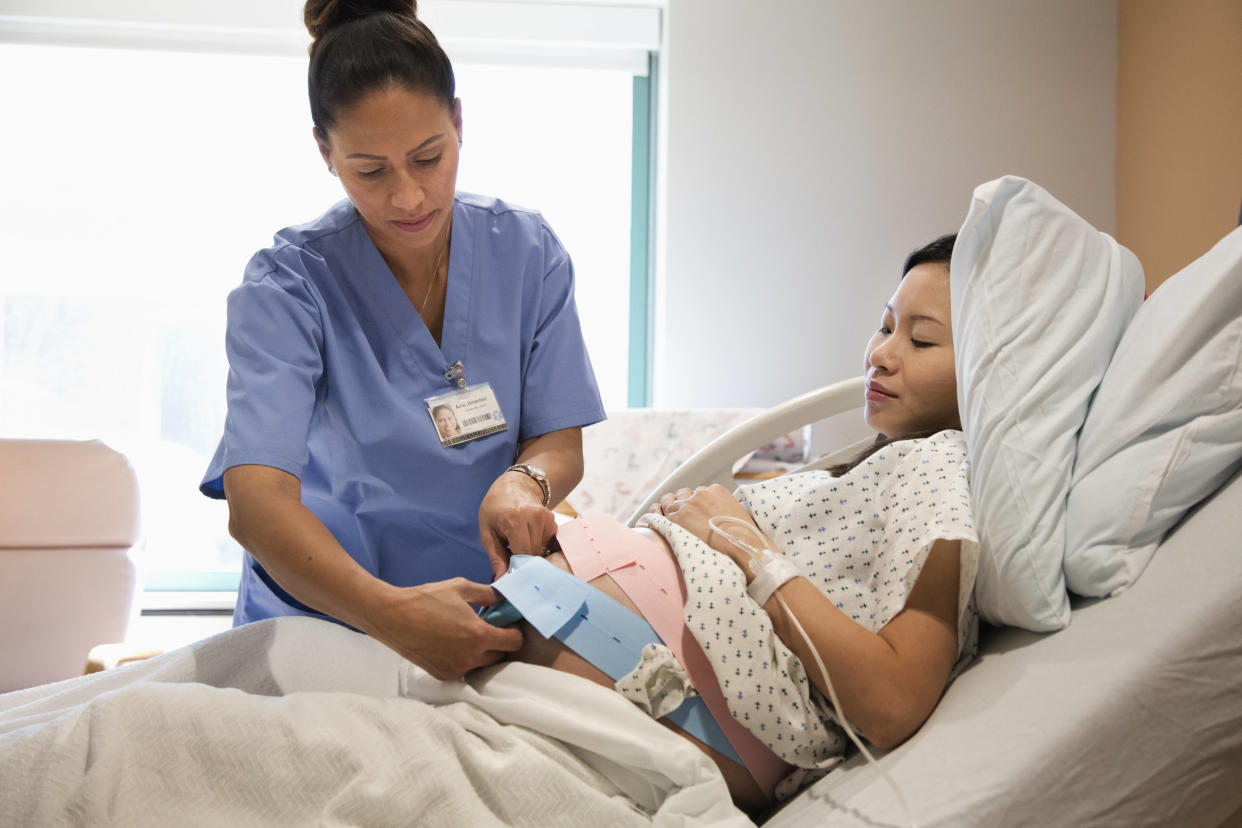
(435,271)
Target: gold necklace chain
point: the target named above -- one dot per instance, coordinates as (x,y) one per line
(435,271)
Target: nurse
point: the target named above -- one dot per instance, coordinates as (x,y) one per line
(349,333)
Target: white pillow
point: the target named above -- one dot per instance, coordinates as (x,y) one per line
(1040,299)
(1165,429)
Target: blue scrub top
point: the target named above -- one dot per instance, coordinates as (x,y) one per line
(330,364)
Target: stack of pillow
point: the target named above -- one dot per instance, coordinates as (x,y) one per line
(1094,420)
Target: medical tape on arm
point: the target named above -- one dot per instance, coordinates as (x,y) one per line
(596,627)
(598,544)
(772,571)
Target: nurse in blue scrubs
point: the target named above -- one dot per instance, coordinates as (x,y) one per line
(353,500)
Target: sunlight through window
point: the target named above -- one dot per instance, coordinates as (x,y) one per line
(139,184)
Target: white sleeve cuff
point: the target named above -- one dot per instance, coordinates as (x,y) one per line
(771,570)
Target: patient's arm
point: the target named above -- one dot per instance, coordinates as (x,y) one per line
(887,682)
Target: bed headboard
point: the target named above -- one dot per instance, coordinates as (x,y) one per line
(714,462)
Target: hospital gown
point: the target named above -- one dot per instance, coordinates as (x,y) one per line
(862,539)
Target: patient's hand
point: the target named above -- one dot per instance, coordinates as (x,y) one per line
(692,509)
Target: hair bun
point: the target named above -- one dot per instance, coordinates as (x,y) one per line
(321,16)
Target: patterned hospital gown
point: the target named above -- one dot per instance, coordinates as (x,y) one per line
(862,539)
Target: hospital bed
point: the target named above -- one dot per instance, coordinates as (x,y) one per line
(1131,716)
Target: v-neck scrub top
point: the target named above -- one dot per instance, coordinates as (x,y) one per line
(330,365)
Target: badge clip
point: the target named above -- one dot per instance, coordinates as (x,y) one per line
(456,374)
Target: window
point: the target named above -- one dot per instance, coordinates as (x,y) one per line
(141,181)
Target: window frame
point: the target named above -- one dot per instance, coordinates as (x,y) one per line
(585,34)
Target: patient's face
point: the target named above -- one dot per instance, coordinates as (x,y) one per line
(911,384)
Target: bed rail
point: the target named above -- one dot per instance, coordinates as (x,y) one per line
(714,462)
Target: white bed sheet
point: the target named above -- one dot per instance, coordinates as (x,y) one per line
(297,722)
(1132,716)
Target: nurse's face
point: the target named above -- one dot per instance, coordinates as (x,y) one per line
(911,383)
(395,151)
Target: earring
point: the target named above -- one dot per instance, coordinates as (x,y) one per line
(332,170)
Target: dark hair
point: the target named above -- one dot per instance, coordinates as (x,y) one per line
(360,46)
(939,251)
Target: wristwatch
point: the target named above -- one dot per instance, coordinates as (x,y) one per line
(537,474)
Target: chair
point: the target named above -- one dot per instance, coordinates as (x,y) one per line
(69,517)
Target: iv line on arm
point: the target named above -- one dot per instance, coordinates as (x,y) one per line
(771,572)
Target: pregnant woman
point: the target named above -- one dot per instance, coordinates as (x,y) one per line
(869,573)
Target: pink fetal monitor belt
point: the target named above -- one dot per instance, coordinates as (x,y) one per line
(595,545)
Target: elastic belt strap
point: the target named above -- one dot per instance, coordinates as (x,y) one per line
(598,544)
(596,627)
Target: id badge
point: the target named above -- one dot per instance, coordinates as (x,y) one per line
(466,414)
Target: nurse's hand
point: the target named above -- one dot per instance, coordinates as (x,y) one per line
(435,626)
(513,520)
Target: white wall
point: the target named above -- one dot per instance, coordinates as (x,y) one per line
(811,145)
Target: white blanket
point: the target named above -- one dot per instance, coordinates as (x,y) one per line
(301,722)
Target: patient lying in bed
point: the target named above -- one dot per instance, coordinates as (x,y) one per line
(877,564)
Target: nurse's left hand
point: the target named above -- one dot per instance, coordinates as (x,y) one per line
(513,520)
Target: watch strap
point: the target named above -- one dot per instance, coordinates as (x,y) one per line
(535,473)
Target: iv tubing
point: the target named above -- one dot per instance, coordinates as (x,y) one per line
(757,556)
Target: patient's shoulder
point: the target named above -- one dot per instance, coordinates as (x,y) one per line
(948,446)
(934,465)
(934,460)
